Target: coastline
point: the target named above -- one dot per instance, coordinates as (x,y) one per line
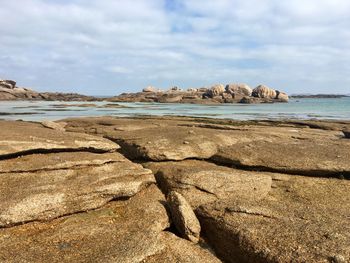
(78,186)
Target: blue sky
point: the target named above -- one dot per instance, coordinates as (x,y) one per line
(112,46)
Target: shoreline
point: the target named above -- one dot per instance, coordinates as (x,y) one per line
(302,109)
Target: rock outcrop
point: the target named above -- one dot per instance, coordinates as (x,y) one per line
(70,197)
(263,91)
(149,89)
(216,90)
(238,89)
(262,191)
(8,84)
(232,93)
(9,91)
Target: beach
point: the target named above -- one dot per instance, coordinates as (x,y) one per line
(174,189)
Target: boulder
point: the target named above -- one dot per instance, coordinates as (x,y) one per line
(282,97)
(203,89)
(227,97)
(216,90)
(183,217)
(263,91)
(8,84)
(301,220)
(242,89)
(149,89)
(175,88)
(192,90)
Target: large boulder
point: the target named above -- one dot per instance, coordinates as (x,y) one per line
(175,89)
(9,84)
(192,90)
(216,90)
(149,89)
(239,89)
(282,96)
(263,91)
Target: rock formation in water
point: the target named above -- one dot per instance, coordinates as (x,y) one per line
(9,91)
(219,93)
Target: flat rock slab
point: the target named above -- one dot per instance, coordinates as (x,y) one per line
(55,161)
(156,140)
(318,157)
(290,149)
(17,137)
(121,231)
(301,220)
(171,143)
(53,185)
(201,182)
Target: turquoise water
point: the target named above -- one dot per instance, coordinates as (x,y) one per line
(338,108)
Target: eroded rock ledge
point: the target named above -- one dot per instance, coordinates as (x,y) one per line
(94,190)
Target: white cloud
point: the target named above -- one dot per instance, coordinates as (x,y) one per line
(113,46)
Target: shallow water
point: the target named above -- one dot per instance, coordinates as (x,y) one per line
(338,108)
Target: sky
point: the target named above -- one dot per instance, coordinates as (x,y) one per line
(106,47)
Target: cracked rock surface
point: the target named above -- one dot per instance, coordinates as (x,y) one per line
(93,190)
(18,137)
(301,220)
(201,182)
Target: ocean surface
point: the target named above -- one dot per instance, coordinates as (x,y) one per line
(337,108)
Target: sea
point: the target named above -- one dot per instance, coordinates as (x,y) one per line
(303,109)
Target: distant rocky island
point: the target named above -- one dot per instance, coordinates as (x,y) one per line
(10,91)
(219,93)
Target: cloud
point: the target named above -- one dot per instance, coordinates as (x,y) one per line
(113,46)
